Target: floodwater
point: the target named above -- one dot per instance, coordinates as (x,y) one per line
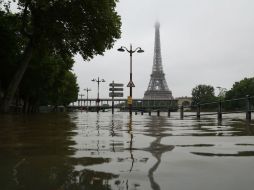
(79,150)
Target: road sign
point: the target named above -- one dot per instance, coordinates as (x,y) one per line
(129,100)
(116,84)
(115,89)
(116,94)
(130,84)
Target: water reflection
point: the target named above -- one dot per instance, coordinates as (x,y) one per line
(103,151)
(249,128)
(240,153)
(156,127)
(36,153)
(131,141)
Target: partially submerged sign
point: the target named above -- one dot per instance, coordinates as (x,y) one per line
(115,92)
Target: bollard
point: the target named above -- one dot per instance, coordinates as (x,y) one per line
(149,112)
(219,114)
(181,112)
(158,112)
(168,112)
(198,111)
(136,113)
(248,108)
(142,112)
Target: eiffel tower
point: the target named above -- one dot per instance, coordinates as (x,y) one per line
(157,88)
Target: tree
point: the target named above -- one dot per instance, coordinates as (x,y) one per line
(69,90)
(240,90)
(10,49)
(202,94)
(48,81)
(66,28)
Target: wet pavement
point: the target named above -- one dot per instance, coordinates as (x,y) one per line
(79,150)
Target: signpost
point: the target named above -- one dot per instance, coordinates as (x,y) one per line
(131,84)
(115,92)
(115,89)
(116,84)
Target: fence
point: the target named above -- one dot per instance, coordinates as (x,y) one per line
(236,105)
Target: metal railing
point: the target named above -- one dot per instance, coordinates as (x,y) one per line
(235,105)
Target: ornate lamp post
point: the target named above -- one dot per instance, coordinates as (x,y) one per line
(130,84)
(87,90)
(98,94)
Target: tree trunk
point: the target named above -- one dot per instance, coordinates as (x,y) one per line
(11,90)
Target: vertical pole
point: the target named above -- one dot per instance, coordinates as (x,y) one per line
(113,90)
(158,112)
(248,108)
(149,112)
(87,100)
(181,112)
(98,95)
(198,111)
(168,112)
(130,105)
(220,111)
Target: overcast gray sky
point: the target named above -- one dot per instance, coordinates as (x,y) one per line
(202,42)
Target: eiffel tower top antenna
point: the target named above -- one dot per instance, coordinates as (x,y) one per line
(157,24)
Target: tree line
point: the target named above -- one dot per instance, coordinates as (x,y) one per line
(38,41)
(202,94)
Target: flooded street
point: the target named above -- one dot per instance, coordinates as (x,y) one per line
(99,151)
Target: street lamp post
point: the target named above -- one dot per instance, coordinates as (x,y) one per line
(98,94)
(130,84)
(87,90)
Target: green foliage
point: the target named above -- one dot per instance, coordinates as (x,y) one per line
(11,47)
(203,94)
(49,81)
(240,90)
(57,30)
(70,89)
(68,27)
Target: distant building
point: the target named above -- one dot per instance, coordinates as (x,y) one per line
(184,101)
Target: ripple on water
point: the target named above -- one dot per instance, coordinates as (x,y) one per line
(100,151)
